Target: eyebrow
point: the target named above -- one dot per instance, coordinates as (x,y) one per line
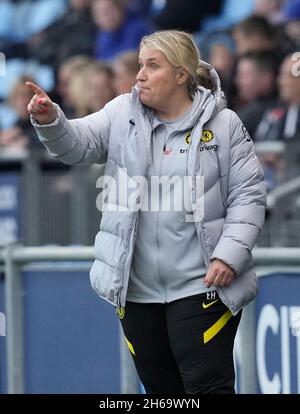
(149,60)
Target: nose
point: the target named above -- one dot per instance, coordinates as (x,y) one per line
(141,76)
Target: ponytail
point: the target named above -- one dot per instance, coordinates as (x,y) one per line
(204,78)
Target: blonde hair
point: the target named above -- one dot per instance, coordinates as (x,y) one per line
(77,91)
(181,51)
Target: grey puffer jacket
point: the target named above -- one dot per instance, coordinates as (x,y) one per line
(234,189)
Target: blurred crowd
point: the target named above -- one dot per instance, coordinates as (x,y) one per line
(85,52)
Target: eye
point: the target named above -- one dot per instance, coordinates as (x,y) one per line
(153,66)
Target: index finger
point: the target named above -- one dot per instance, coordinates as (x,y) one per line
(36,89)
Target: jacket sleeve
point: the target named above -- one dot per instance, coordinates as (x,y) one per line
(79,141)
(246,200)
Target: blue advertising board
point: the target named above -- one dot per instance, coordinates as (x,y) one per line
(278,334)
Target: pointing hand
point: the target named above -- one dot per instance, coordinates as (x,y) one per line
(41,107)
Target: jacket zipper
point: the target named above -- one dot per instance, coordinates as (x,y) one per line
(158,217)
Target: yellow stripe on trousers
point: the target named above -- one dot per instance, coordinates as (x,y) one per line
(216,327)
(130,346)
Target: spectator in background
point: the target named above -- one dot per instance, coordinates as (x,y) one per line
(77,92)
(73,34)
(254,34)
(126,68)
(66,71)
(222,57)
(119,29)
(278,12)
(282,120)
(90,88)
(256,86)
(99,86)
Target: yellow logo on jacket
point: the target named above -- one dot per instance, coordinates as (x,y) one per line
(188,138)
(207,135)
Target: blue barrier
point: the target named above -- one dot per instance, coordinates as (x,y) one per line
(71,336)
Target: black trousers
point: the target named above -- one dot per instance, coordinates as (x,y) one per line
(185,346)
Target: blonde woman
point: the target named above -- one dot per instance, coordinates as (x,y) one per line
(178,277)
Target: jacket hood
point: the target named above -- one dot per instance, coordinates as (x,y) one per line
(206,104)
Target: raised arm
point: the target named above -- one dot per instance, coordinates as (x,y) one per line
(78,141)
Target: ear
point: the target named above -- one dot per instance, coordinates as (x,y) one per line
(182,75)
